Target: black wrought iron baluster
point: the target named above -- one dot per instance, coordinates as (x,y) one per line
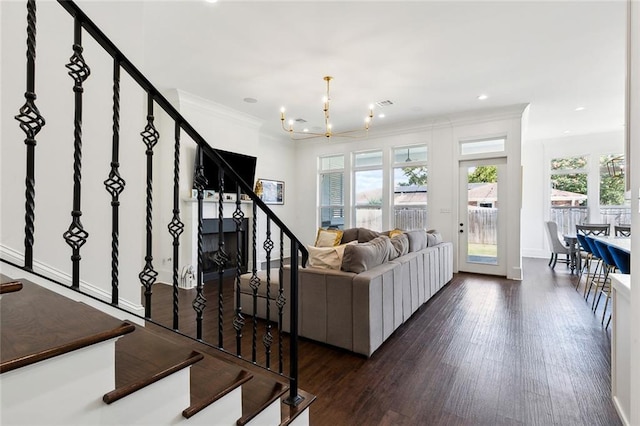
(280,302)
(176,226)
(199,303)
(238,319)
(294,398)
(31,122)
(254,283)
(267,339)
(76,236)
(114,183)
(221,258)
(148,275)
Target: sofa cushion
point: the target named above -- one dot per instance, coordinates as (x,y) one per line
(400,245)
(417,240)
(433,238)
(327,257)
(364,256)
(328,237)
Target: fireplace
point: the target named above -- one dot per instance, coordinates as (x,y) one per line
(210,246)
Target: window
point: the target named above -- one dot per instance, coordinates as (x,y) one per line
(368,179)
(410,188)
(569,192)
(482,146)
(332,191)
(613,208)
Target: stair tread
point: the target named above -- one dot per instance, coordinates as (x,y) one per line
(143,358)
(39,324)
(211,379)
(10,287)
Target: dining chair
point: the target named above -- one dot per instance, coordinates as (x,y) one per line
(556,245)
(599,229)
(622,230)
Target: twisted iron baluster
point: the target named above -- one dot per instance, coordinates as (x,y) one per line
(199,303)
(176,226)
(76,236)
(280,302)
(31,122)
(254,283)
(267,339)
(114,183)
(238,319)
(221,258)
(148,275)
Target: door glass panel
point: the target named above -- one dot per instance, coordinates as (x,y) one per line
(482,215)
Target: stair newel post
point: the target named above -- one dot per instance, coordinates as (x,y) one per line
(176,227)
(199,303)
(76,236)
(31,122)
(114,184)
(220,258)
(267,339)
(254,282)
(238,319)
(280,302)
(293,399)
(148,275)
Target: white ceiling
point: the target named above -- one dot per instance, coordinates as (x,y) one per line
(429,58)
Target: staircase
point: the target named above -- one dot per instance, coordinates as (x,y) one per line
(64,362)
(82,338)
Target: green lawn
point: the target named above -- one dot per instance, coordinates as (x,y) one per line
(476,249)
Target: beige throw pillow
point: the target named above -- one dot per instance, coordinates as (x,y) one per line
(328,237)
(327,257)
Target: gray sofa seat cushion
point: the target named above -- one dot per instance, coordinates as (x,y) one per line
(358,258)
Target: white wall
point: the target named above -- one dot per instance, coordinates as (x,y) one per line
(441,135)
(536,158)
(634,130)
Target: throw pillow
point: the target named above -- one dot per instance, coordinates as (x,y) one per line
(364,256)
(417,240)
(326,257)
(433,238)
(395,232)
(400,245)
(365,235)
(328,237)
(349,235)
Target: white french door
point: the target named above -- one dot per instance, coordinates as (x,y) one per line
(482,224)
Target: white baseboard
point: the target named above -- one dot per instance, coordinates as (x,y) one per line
(64,278)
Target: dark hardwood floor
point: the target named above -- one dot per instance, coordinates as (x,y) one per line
(483,351)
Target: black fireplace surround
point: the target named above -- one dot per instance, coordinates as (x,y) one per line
(210,246)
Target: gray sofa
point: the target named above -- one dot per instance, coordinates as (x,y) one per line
(358,311)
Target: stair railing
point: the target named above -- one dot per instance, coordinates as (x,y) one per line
(31,122)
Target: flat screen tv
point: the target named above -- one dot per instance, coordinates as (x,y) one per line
(243,165)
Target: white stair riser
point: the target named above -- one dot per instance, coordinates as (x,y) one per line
(224,412)
(302,419)
(270,416)
(160,403)
(66,389)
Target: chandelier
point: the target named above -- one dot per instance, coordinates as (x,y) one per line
(328,132)
(615,167)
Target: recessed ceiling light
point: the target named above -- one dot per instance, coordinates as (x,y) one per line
(381,115)
(211,1)
(482,97)
(580,108)
(250,100)
(566,132)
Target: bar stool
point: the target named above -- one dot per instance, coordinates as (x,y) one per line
(608,266)
(595,255)
(622,260)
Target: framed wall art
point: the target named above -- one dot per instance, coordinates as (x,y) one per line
(272,191)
